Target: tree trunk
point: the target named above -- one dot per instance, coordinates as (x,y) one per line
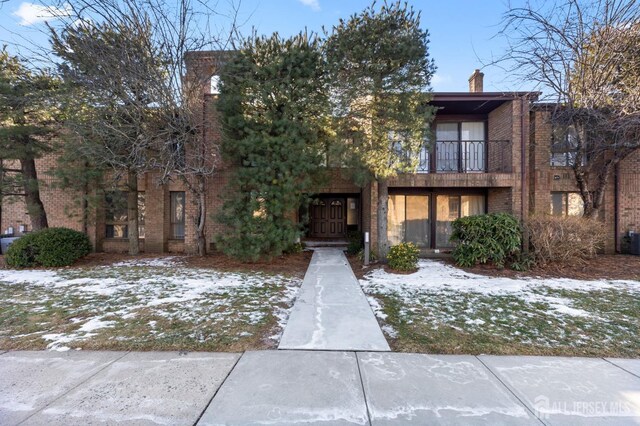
(201,242)
(597,197)
(583,187)
(31,185)
(593,198)
(132,213)
(383,202)
(1,192)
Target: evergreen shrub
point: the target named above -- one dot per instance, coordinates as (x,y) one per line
(488,238)
(48,247)
(403,257)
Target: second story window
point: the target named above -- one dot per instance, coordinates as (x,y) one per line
(214,85)
(564,145)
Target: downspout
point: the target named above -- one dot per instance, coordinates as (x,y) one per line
(616,201)
(523,178)
(1,191)
(85,204)
(361,211)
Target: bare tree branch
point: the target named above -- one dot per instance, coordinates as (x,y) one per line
(585,55)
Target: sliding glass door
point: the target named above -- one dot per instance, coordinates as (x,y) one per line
(408,220)
(447,147)
(473,146)
(460,147)
(418,229)
(410,217)
(396,219)
(447,210)
(452,207)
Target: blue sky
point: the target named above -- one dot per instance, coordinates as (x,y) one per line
(462,31)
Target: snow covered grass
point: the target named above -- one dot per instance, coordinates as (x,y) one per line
(443,309)
(147,304)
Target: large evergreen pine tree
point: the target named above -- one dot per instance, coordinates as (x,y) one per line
(274,113)
(380,74)
(28,122)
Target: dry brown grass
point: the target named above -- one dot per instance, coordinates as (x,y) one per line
(566,240)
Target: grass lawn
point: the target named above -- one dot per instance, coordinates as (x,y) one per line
(443,309)
(144,304)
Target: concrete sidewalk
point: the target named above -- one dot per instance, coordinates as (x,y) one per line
(314,387)
(331,311)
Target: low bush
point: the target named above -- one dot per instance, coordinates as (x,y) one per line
(522,262)
(486,238)
(403,257)
(48,247)
(297,247)
(373,257)
(356,242)
(565,239)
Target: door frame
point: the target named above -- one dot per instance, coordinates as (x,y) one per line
(333,196)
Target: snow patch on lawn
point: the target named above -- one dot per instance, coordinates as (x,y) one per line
(528,310)
(59,341)
(24,276)
(437,277)
(156,262)
(216,303)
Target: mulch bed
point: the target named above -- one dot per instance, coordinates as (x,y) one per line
(290,264)
(358,267)
(613,267)
(294,264)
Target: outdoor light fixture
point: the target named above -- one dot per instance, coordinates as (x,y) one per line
(366,249)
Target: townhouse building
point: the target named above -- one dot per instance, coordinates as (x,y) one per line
(493,152)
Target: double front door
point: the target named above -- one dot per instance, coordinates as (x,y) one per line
(328,218)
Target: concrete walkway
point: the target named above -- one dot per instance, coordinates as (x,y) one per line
(314,387)
(331,311)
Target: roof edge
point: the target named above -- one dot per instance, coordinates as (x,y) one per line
(460,96)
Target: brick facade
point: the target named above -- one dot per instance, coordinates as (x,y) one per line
(628,189)
(509,119)
(63,207)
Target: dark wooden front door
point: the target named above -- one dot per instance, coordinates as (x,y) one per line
(328,218)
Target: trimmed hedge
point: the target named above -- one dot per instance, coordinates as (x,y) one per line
(403,257)
(486,238)
(48,247)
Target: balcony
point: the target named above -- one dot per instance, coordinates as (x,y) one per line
(479,156)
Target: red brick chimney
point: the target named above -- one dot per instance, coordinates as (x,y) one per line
(475,82)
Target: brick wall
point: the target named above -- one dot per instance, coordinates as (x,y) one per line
(628,196)
(547,179)
(63,208)
(500,123)
(539,150)
(506,123)
(503,189)
(500,200)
